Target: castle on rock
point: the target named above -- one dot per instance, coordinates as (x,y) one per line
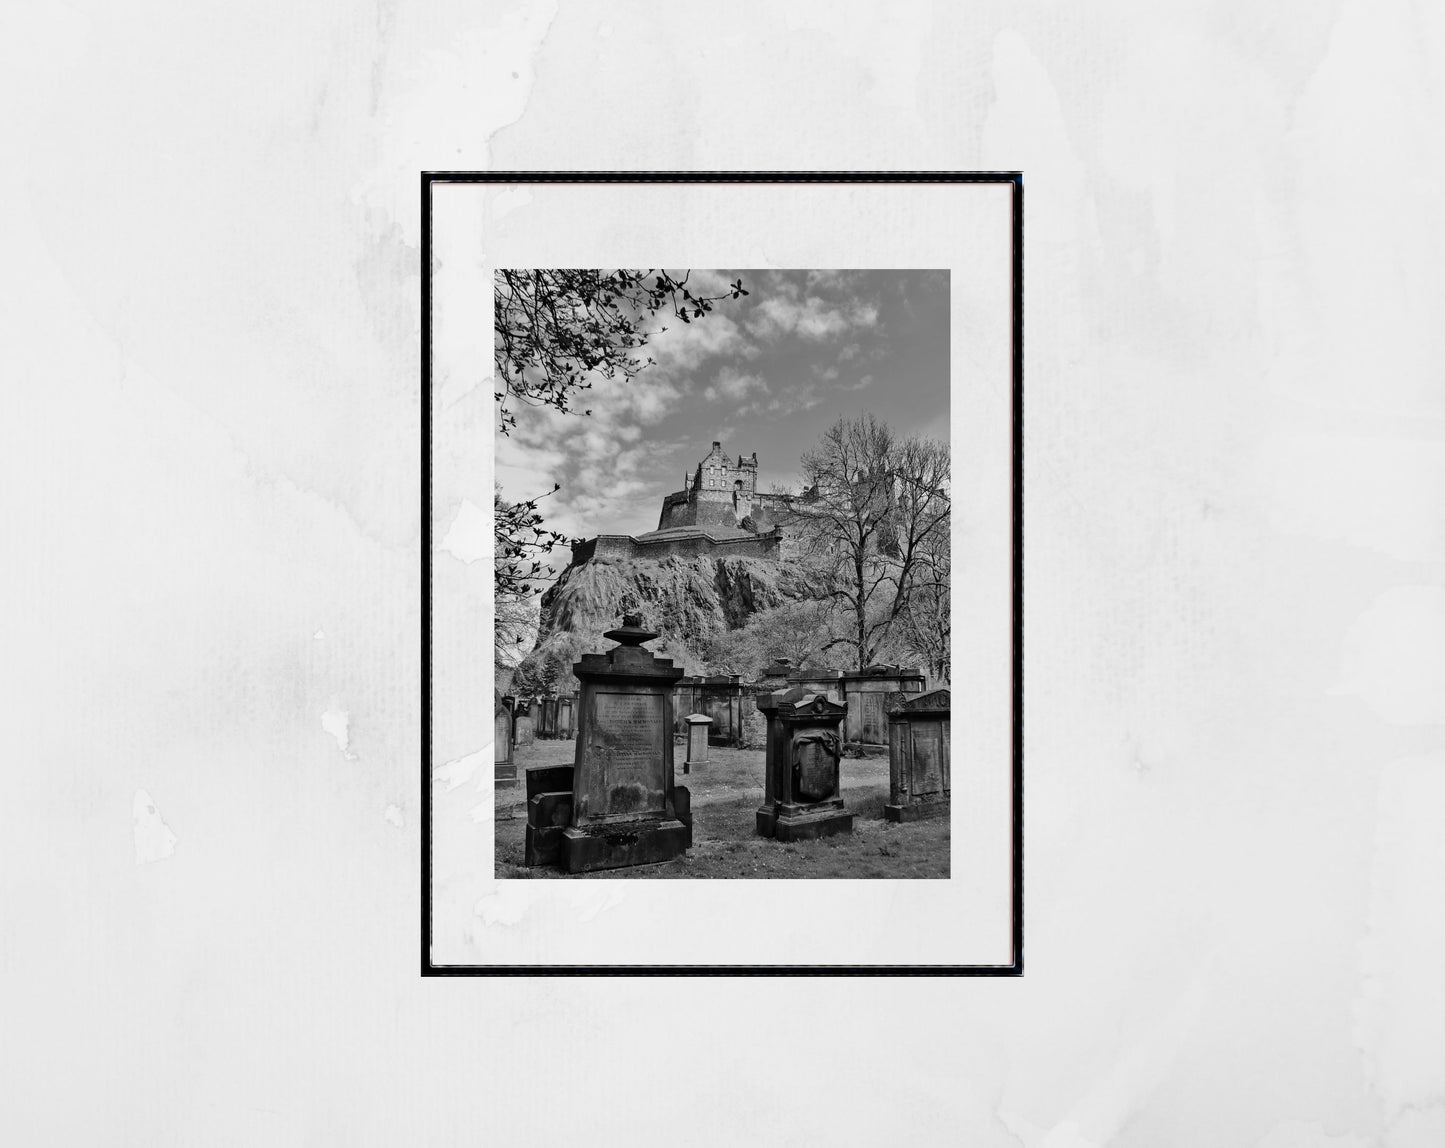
(718,513)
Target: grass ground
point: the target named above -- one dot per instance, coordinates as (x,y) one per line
(725,795)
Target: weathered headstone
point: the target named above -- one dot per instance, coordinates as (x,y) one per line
(506,769)
(802,797)
(546,716)
(865,692)
(697,727)
(523,726)
(721,698)
(918,756)
(626,809)
(566,716)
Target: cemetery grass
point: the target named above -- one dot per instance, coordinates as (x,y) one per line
(725,796)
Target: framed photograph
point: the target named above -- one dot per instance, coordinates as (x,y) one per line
(723,573)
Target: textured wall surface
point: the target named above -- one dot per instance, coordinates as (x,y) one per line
(1236,571)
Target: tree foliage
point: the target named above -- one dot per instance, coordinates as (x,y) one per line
(555,328)
(802,630)
(873,522)
(554,331)
(522,544)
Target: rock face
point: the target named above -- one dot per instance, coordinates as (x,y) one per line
(692,597)
(687,600)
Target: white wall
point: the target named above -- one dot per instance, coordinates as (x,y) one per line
(1235,605)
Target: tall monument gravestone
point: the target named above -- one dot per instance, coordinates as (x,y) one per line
(918,756)
(626,809)
(802,797)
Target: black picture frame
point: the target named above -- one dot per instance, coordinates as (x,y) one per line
(1015,179)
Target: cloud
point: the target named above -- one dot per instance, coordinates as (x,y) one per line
(732,385)
(809,318)
(686,346)
(800,398)
(865,381)
(827,374)
(848,352)
(834,280)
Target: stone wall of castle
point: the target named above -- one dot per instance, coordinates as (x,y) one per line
(699,545)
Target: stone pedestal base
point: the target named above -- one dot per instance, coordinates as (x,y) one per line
(620,845)
(804,822)
(916,811)
(506,777)
(806,826)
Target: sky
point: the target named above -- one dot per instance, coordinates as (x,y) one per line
(769,372)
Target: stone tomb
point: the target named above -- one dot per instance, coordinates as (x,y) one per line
(626,809)
(918,756)
(506,769)
(697,727)
(802,797)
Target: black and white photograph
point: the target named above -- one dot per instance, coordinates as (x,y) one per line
(722,625)
(738,602)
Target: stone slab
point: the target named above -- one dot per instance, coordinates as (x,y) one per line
(624,754)
(548,810)
(549,779)
(927,746)
(585,850)
(916,811)
(505,777)
(815,773)
(543,846)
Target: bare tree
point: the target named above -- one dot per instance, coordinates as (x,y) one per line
(874,510)
(925,624)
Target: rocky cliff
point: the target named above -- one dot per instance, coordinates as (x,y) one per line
(688,601)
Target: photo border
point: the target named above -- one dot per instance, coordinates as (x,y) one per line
(428,178)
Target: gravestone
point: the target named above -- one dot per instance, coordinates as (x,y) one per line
(697,727)
(626,809)
(802,797)
(566,716)
(549,809)
(865,692)
(546,716)
(506,769)
(918,756)
(523,728)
